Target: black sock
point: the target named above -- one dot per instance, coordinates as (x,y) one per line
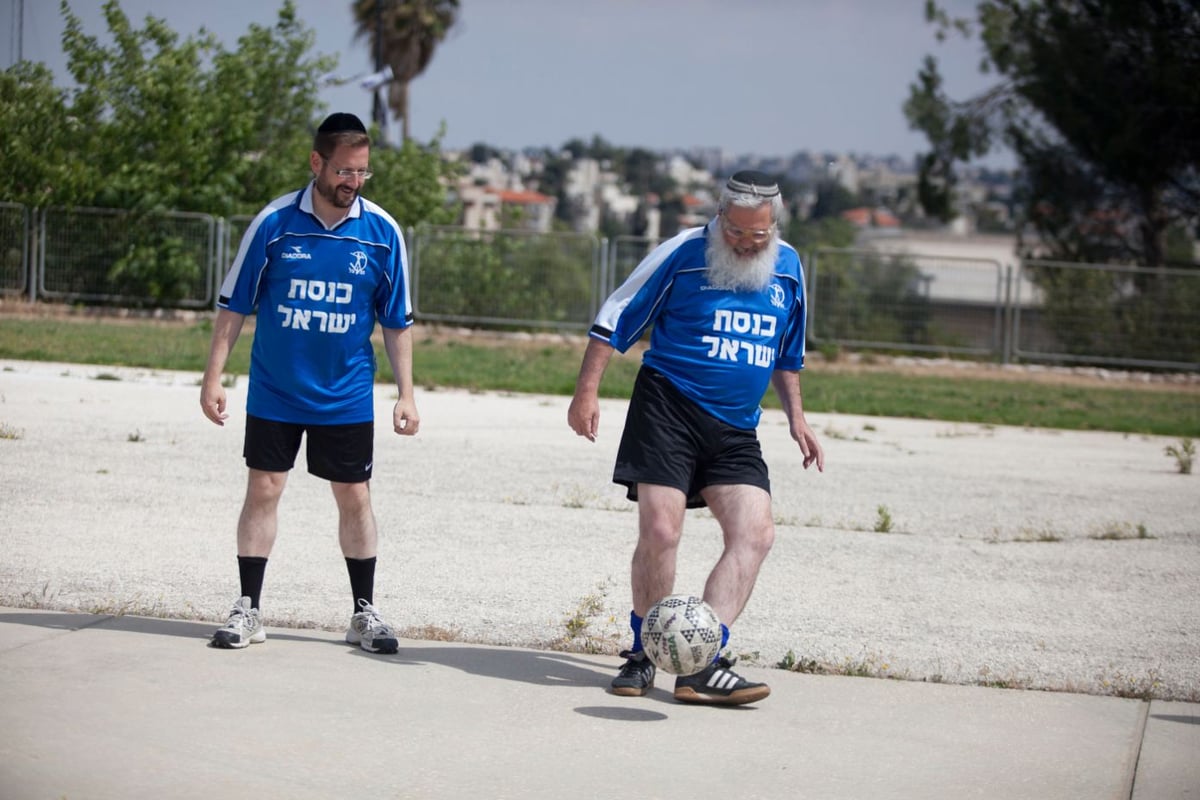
(362,579)
(251,570)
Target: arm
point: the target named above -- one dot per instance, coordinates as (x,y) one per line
(226,328)
(398,343)
(584,414)
(787,386)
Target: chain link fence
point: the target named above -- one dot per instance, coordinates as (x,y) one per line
(114,256)
(1039,311)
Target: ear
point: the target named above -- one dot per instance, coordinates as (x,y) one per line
(314,161)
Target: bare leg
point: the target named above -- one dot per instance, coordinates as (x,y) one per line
(744,513)
(660,525)
(258,522)
(357,533)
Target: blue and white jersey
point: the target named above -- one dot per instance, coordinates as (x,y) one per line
(318,292)
(718,347)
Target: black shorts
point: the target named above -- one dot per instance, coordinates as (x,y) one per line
(670,441)
(341,453)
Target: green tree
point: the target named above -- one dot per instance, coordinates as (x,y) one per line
(160,123)
(187,125)
(808,235)
(39,157)
(640,170)
(871,299)
(512,276)
(273,75)
(1100,102)
(403,35)
(409,181)
(832,199)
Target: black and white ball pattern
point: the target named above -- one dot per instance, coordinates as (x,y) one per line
(681,634)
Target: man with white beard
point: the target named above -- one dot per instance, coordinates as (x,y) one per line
(726,307)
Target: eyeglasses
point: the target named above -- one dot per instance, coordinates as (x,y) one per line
(346,174)
(736,233)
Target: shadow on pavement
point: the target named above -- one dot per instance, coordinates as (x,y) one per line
(1177,718)
(539,668)
(187,629)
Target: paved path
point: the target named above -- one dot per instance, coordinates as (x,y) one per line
(1015,561)
(128,707)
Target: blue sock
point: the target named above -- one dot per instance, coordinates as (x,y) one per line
(724,641)
(635,622)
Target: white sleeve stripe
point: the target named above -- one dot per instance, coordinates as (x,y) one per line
(238,260)
(611,311)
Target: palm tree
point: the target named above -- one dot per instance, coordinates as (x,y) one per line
(403,35)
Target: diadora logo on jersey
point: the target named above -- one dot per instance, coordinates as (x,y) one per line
(359,265)
(778,298)
(295,252)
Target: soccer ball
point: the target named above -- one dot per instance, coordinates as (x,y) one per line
(681,634)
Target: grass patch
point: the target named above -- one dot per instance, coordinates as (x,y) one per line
(997,402)
(1184,454)
(536,367)
(580,634)
(883,520)
(1120,531)
(1033,535)
(432,633)
(871,665)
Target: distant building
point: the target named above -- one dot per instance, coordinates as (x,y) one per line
(530,211)
(864,217)
(489,209)
(696,211)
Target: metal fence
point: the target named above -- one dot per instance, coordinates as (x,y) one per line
(920,303)
(113,256)
(1037,311)
(1102,314)
(14,249)
(509,278)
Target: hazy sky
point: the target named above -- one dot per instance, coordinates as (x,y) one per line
(760,77)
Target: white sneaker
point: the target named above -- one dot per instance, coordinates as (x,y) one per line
(370,632)
(243,627)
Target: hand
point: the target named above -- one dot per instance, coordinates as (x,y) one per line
(809,446)
(584,415)
(405,419)
(212,402)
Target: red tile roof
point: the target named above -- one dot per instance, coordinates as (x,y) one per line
(522,198)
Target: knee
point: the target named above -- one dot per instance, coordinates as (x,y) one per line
(265,487)
(767,538)
(759,539)
(659,535)
(352,497)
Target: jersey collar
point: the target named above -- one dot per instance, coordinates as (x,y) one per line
(306,205)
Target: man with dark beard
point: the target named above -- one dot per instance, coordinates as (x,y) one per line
(320,266)
(727,311)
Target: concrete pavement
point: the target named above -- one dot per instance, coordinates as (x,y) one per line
(96,706)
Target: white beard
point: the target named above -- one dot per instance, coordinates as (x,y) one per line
(727,270)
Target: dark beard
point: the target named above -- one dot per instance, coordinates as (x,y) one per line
(335,198)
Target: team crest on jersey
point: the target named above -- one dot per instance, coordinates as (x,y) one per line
(359,265)
(777,295)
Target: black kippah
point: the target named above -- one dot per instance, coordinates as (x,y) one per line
(341,123)
(750,181)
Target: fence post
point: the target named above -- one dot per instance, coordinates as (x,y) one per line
(1009,316)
